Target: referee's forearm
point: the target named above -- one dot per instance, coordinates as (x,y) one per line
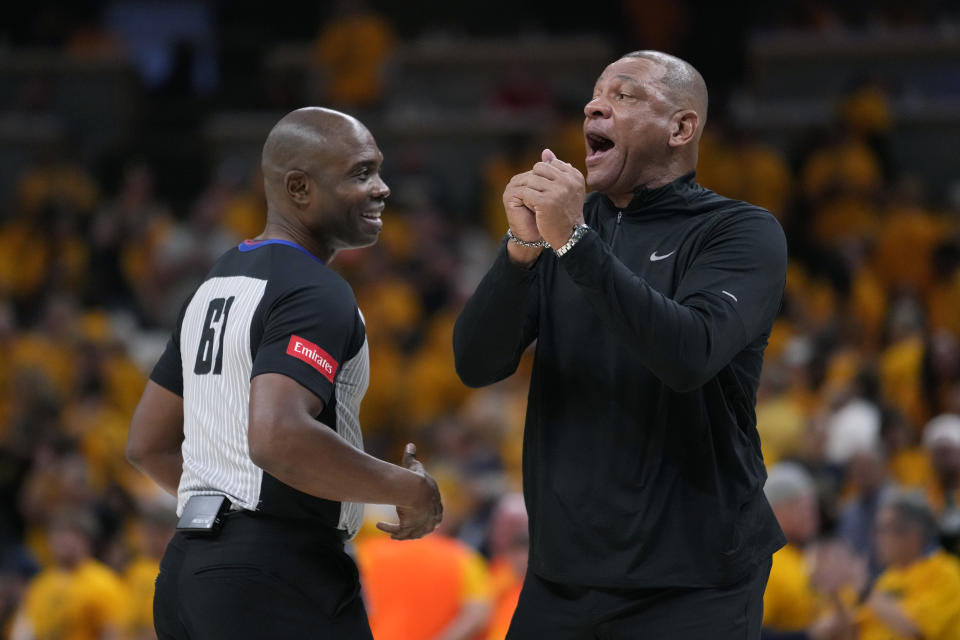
(311,457)
(163,468)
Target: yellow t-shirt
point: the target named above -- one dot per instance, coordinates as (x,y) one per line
(901,375)
(851,163)
(790,602)
(911,468)
(140,579)
(927,591)
(781,422)
(352,50)
(75,605)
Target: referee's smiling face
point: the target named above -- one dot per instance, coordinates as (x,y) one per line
(627,125)
(351,193)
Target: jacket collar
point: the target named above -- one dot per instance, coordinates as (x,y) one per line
(673,192)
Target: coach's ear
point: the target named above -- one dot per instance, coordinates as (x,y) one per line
(297,184)
(683,127)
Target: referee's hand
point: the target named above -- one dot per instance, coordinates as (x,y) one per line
(426,510)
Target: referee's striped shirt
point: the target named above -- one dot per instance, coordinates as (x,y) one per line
(265,307)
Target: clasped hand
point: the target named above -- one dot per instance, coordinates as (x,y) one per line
(545,202)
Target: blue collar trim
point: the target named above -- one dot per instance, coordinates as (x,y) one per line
(250,245)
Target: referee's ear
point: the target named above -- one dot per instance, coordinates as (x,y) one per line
(297,184)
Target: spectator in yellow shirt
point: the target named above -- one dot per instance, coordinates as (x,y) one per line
(78,598)
(941,437)
(908,463)
(866,485)
(918,595)
(153,529)
(352,50)
(792,606)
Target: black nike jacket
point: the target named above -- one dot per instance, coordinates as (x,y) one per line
(641,458)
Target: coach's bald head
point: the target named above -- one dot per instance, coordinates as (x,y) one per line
(683,83)
(321,180)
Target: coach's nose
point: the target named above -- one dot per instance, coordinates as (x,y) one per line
(597,108)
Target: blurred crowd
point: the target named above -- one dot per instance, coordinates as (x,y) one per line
(859,404)
(858,411)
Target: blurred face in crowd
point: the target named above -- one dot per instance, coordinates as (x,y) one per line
(154,536)
(898,543)
(627,125)
(68,546)
(945,456)
(867,471)
(799,518)
(518,552)
(509,537)
(833,565)
(349,193)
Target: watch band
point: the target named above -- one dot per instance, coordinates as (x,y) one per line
(578,232)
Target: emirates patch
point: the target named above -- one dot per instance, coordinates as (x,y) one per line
(313,356)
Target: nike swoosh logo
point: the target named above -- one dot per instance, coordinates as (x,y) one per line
(655,258)
(729,294)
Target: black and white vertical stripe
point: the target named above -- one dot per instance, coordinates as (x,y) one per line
(216,452)
(352,381)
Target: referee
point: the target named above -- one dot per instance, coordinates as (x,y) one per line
(250,415)
(642,469)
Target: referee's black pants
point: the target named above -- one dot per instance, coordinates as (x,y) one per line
(260,577)
(563,612)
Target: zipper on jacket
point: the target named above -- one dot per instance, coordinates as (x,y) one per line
(616,229)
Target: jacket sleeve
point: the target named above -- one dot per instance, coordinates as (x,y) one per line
(498,322)
(727,298)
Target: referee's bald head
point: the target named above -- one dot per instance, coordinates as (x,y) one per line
(304,139)
(321,177)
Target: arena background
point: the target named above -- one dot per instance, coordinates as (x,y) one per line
(130,135)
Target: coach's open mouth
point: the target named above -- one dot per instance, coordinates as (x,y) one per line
(598,145)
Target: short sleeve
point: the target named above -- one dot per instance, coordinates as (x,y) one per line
(934,602)
(168,372)
(308,334)
(107,601)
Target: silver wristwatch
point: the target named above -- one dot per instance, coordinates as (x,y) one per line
(578,232)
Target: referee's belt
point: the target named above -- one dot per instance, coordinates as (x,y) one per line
(311,527)
(206,515)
